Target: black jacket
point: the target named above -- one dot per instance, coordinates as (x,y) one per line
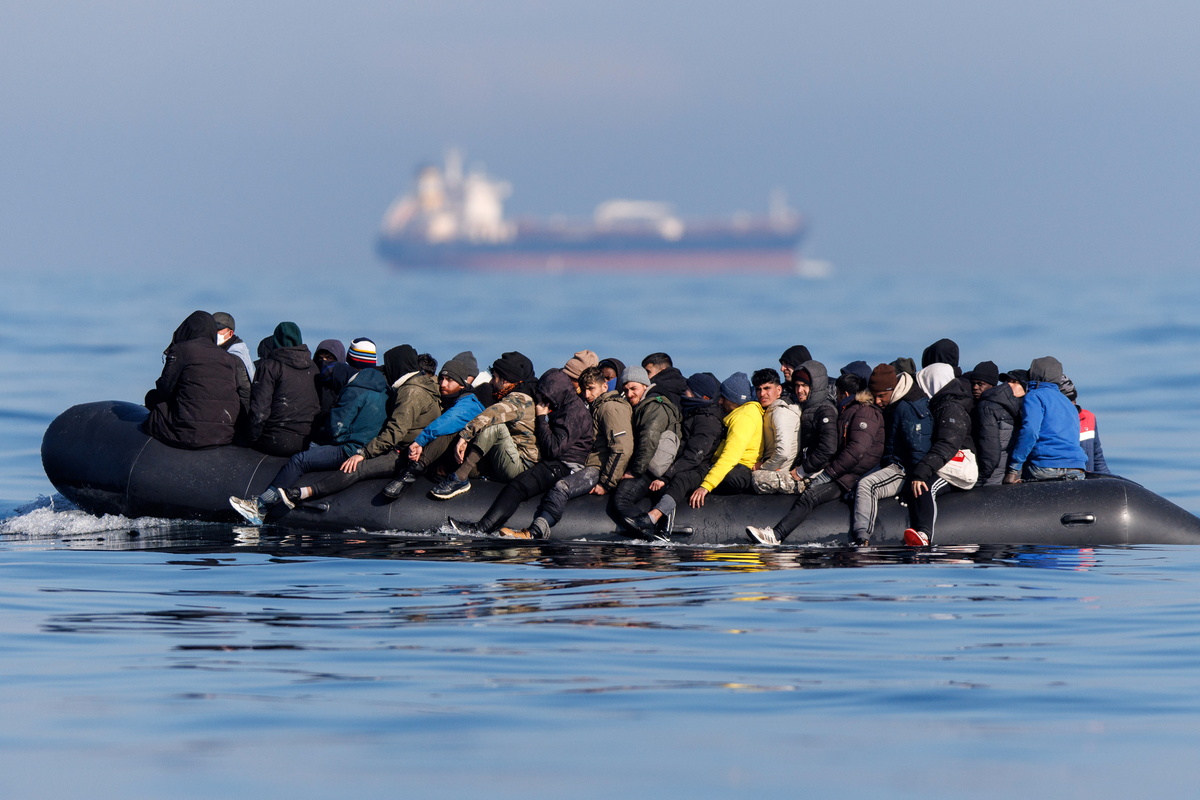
(997,418)
(703,429)
(329,382)
(818,422)
(566,433)
(951,412)
(671,384)
(861,430)
(284,395)
(196,401)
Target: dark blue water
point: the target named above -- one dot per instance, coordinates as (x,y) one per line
(151,658)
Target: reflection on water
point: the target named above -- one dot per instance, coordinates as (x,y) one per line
(42,529)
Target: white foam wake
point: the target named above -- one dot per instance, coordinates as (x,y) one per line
(57,516)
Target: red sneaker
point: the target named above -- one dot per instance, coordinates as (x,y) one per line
(916,538)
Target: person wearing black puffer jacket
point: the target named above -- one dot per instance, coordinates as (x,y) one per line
(997,418)
(564,436)
(283,399)
(861,436)
(818,418)
(950,406)
(908,427)
(197,400)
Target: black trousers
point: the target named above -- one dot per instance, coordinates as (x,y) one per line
(533,481)
(805,503)
(383,466)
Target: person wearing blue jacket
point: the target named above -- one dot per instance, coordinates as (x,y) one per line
(459,406)
(356,418)
(1048,443)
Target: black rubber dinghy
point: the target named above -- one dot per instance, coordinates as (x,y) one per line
(97,456)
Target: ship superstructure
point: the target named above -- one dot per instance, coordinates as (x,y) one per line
(455,219)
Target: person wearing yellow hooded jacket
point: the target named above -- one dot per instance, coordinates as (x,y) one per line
(742,448)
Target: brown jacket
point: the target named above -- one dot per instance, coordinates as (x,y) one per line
(414,406)
(612,417)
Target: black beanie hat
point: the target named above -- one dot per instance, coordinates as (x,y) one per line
(704,384)
(986,372)
(513,367)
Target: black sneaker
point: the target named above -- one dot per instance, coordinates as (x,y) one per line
(641,525)
(463,527)
(397,487)
(290,498)
(451,487)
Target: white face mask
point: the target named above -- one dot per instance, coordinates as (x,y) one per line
(221,339)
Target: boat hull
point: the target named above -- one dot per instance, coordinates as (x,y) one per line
(97,456)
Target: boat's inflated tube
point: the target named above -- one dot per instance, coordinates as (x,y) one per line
(97,455)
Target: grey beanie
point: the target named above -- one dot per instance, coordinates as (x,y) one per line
(462,368)
(737,389)
(634,373)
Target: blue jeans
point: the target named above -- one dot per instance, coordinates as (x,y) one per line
(317,457)
(1053,474)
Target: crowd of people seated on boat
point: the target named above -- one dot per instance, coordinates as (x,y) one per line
(596,426)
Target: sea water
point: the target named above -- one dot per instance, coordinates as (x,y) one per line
(153,658)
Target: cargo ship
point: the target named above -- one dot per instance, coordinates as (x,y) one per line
(455,219)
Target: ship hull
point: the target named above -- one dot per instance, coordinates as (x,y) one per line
(767,252)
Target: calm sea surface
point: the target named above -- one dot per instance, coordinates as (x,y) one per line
(151,658)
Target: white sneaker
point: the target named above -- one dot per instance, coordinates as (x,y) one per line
(248,508)
(763,535)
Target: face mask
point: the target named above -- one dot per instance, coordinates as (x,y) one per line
(223,339)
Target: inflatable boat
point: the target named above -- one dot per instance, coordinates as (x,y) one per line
(97,456)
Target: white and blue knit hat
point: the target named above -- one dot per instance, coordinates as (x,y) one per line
(362,353)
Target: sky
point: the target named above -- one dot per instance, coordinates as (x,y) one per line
(267,138)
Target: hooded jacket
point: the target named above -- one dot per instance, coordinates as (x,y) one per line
(1049,433)
(943,351)
(671,384)
(284,395)
(702,432)
(360,411)
(997,417)
(412,404)
(818,422)
(910,430)
(612,417)
(565,434)
(949,405)
(196,401)
(860,428)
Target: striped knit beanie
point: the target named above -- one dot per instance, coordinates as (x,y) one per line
(362,353)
